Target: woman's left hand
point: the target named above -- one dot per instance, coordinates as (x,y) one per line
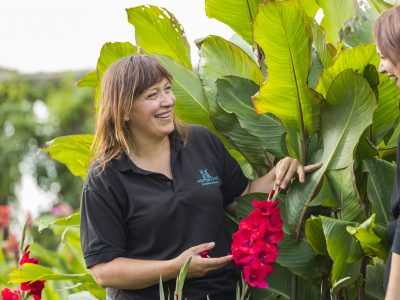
(289,167)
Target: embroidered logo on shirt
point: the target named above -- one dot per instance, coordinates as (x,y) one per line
(207,179)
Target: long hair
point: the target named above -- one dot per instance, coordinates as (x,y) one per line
(123,82)
(387,34)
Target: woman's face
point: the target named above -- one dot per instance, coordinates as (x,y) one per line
(389,67)
(152,112)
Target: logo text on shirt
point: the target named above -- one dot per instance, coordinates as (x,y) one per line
(207,179)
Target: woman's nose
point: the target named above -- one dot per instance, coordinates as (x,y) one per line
(167,99)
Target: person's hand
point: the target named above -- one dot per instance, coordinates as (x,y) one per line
(199,266)
(289,167)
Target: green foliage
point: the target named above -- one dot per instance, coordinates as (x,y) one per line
(309,90)
(158,31)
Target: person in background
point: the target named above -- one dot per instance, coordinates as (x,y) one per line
(387,36)
(156,189)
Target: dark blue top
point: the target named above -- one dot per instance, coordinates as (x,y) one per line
(130,212)
(394,228)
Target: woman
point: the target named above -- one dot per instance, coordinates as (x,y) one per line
(387,35)
(156,190)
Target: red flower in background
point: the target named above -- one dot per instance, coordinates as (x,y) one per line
(254,246)
(26,259)
(7,294)
(35,288)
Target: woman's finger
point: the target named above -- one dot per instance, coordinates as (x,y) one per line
(289,173)
(301,173)
(313,167)
(281,168)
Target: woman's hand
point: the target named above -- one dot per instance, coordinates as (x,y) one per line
(289,167)
(199,266)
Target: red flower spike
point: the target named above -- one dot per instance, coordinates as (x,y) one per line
(35,288)
(254,247)
(7,294)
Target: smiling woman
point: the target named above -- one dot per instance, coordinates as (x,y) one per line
(156,189)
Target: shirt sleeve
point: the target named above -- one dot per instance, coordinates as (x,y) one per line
(102,227)
(396,203)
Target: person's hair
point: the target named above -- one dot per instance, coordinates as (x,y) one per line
(387,34)
(123,82)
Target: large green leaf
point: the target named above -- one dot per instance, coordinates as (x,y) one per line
(358,30)
(341,246)
(234,96)
(345,190)
(374,289)
(326,51)
(379,5)
(89,80)
(311,7)
(220,58)
(336,13)
(278,287)
(72,151)
(315,235)
(286,94)
(237,14)
(370,243)
(70,221)
(381,176)
(344,117)
(34,272)
(110,53)
(395,136)
(157,31)
(355,58)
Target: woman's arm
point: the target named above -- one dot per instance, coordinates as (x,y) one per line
(282,173)
(127,273)
(393,290)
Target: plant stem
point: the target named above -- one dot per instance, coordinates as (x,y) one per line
(245,289)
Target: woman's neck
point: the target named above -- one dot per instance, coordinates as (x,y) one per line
(147,148)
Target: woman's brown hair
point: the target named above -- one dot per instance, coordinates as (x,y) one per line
(123,82)
(387,34)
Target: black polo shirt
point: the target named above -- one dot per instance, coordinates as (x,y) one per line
(130,212)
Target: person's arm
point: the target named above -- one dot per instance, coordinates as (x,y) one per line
(127,273)
(393,290)
(282,173)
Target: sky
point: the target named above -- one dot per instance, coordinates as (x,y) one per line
(54,35)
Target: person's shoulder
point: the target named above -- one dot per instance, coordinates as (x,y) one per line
(201,131)
(98,177)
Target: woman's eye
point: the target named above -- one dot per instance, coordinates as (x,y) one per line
(168,88)
(152,96)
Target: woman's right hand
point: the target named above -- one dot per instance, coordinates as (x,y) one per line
(199,266)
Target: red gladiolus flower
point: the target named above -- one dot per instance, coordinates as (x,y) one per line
(254,247)
(35,288)
(264,252)
(26,259)
(7,294)
(255,274)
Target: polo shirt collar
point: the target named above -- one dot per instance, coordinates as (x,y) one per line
(124,163)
